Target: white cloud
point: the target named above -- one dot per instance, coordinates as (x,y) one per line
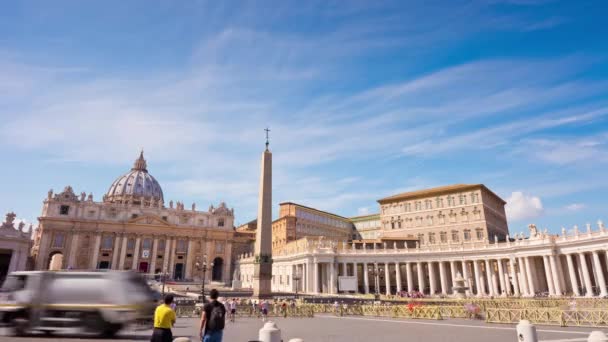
(575,206)
(363,211)
(522,207)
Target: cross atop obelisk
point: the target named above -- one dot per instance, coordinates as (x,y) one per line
(267,131)
(262,274)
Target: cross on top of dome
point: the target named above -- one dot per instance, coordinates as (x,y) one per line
(140,163)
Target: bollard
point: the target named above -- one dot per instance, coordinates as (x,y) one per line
(526,332)
(182,339)
(597,336)
(296,340)
(270,333)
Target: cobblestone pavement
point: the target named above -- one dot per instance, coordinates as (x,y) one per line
(349,329)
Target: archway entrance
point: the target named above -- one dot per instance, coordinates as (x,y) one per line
(143,267)
(5,261)
(55,261)
(179,272)
(218,264)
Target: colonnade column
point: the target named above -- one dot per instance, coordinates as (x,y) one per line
(432,278)
(586,277)
(387,280)
(478,279)
(549,275)
(572,273)
(501,278)
(316,277)
(398,276)
(366,278)
(408,274)
(600,274)
(421,281)
(524,278)
(332,277)
(556,275)
(356,277)
(531,290)
(465,275)
(489,278)
(514,277)
(453,273)
(443,278)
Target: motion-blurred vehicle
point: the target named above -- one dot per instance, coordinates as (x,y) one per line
(97,302)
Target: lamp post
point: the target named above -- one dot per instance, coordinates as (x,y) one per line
(376,271)
(203,267)
(296,278)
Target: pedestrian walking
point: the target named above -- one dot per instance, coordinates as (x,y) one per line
(164,319)
(264,307)
(232,305)
(213,319)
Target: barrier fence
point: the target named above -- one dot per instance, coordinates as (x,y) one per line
(247,311)
(564,318)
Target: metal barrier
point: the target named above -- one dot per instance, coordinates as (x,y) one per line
(189,311)
(550,316)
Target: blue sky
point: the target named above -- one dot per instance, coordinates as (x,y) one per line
(364,99)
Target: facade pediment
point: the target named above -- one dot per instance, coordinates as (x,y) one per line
(149,219)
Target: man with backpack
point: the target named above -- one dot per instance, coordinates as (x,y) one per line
(213,319)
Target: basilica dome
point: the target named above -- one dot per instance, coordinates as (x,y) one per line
(136,186)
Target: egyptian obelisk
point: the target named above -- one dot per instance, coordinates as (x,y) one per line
(262,274)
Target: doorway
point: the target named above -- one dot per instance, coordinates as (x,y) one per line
(143,267)
(104,265)
(179,271)
(218,264)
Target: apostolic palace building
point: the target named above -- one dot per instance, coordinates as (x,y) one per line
(423,241)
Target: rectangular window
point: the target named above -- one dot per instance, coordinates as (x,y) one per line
(130,244)
(164,218)
(479,233)
(219,247)
(91,213)
(444,237)
(431,237)
(147,244)
(455,237)
(220,222)
(58,240)
(467,235)
(421,238)
(107,242)
(64,210)
(181,246)
(161,245)
(453,218)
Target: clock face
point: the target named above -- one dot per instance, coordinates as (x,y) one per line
(145,253)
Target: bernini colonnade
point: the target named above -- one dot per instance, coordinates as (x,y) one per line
(555,265)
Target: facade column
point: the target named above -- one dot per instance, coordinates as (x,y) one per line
(421,282)
(572,273)
(556,275)
(190,256)
(73,249)
(478,279)
(443,278)
(489,278)
(501,277)
(600,274)
(123,252)
(387,279)
(95,257)
(115,252)
(172,256)
(167,256)
(408,274)
(514,278)
(154,256)
(316,277)
(586,277)
(467,278)
(531,289)
(365,278)
(136,254)
(345,268)
(549,276)
(398,276)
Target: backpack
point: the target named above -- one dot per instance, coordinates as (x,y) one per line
(217,317)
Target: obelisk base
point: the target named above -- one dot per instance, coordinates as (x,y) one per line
(262,278)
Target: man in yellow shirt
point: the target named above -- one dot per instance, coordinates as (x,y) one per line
(164,318)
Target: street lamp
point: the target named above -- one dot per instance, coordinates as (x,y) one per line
(203,266)
(296,278)
(376,271)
